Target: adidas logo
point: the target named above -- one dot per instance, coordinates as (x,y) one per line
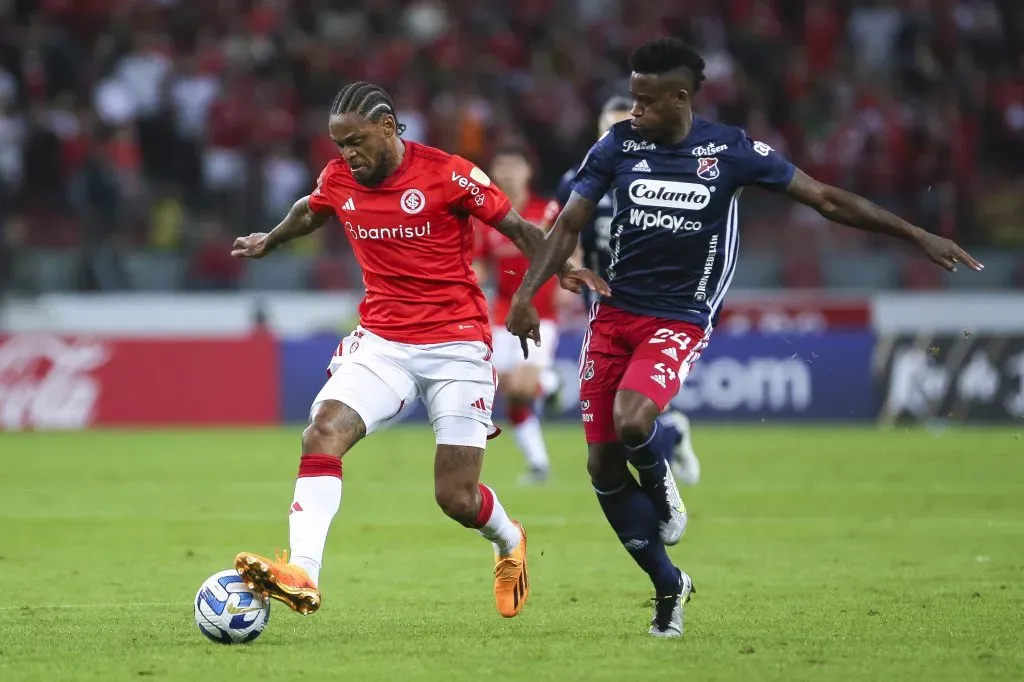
(349,205)
(640,167)
(296,507)
(479,404)
(671,352)
(634,544)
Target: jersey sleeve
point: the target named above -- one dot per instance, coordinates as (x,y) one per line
(762,165)
(320,198)
(561,197)
(596,173)
(470,190)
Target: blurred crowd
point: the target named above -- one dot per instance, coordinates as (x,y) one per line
(138,136)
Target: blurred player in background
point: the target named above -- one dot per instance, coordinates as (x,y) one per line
(424,334)
(595,253)
(676,180)
(523,381)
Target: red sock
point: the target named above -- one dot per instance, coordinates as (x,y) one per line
(486,506)
(519,413)
(319,465)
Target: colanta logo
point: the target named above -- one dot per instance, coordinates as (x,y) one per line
(668,194)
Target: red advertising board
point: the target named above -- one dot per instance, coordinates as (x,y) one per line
(51,381)
(791,314)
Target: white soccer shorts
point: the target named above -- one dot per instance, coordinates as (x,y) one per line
(508,352)
(381,380)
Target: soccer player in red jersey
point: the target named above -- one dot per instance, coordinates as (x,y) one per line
(423,334)
(522,380)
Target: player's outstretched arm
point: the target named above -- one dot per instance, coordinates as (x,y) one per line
(550,256)
(847,208)
(554,250)
(530,240)
(301,220)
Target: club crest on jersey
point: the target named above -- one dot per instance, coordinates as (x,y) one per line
(588,370)
(707,169)
(412,201)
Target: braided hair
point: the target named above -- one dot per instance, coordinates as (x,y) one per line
(365,99)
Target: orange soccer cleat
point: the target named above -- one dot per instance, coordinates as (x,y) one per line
(280,580)
(511,580)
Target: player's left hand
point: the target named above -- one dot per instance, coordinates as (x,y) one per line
(522,321)
(253,246)
(946,252)
(577,278)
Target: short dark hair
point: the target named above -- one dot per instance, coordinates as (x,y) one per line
(365,99)
(617,103)
(513,148)
(662,55)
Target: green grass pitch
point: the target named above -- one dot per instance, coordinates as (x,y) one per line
(818,553)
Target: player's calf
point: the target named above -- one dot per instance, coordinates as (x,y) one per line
(648,447)
(529,437)
(631,514)
(463,498)
(333,429)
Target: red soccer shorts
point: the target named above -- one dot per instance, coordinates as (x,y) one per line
(625,351)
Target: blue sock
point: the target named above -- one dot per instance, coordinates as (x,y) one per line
(651,458)
(631,515)
(669,452)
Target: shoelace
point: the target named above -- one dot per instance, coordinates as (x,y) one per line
(663,608)
(507,568)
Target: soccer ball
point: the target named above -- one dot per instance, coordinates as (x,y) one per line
(229,612)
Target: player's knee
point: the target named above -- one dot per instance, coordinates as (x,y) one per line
(330,432)
(458,502)
(632,429)
(321,437)
(634,417)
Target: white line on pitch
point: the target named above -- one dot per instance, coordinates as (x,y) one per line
(152,604)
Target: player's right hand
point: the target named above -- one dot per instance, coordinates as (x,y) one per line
(523,321)
(253,246)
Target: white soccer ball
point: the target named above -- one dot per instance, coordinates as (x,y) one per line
(229,612)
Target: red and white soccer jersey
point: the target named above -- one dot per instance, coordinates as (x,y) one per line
(413,239)
(509,266)
(424,331)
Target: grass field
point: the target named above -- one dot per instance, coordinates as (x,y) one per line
(820,554)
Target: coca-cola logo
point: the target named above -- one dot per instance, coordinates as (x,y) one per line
(46,381)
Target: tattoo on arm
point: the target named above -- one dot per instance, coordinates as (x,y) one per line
(300,221)
(558,246)
(527,237)
(847,208)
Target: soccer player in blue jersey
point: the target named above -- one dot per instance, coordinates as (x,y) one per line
(594,249)
(675,179)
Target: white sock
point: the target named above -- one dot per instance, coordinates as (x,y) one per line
(317,499)
(496,527)
(531,441)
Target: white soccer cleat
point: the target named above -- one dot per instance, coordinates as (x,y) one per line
(685,464)
(669,618)
(672,524)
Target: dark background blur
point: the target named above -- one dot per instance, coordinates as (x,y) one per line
(137,136)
